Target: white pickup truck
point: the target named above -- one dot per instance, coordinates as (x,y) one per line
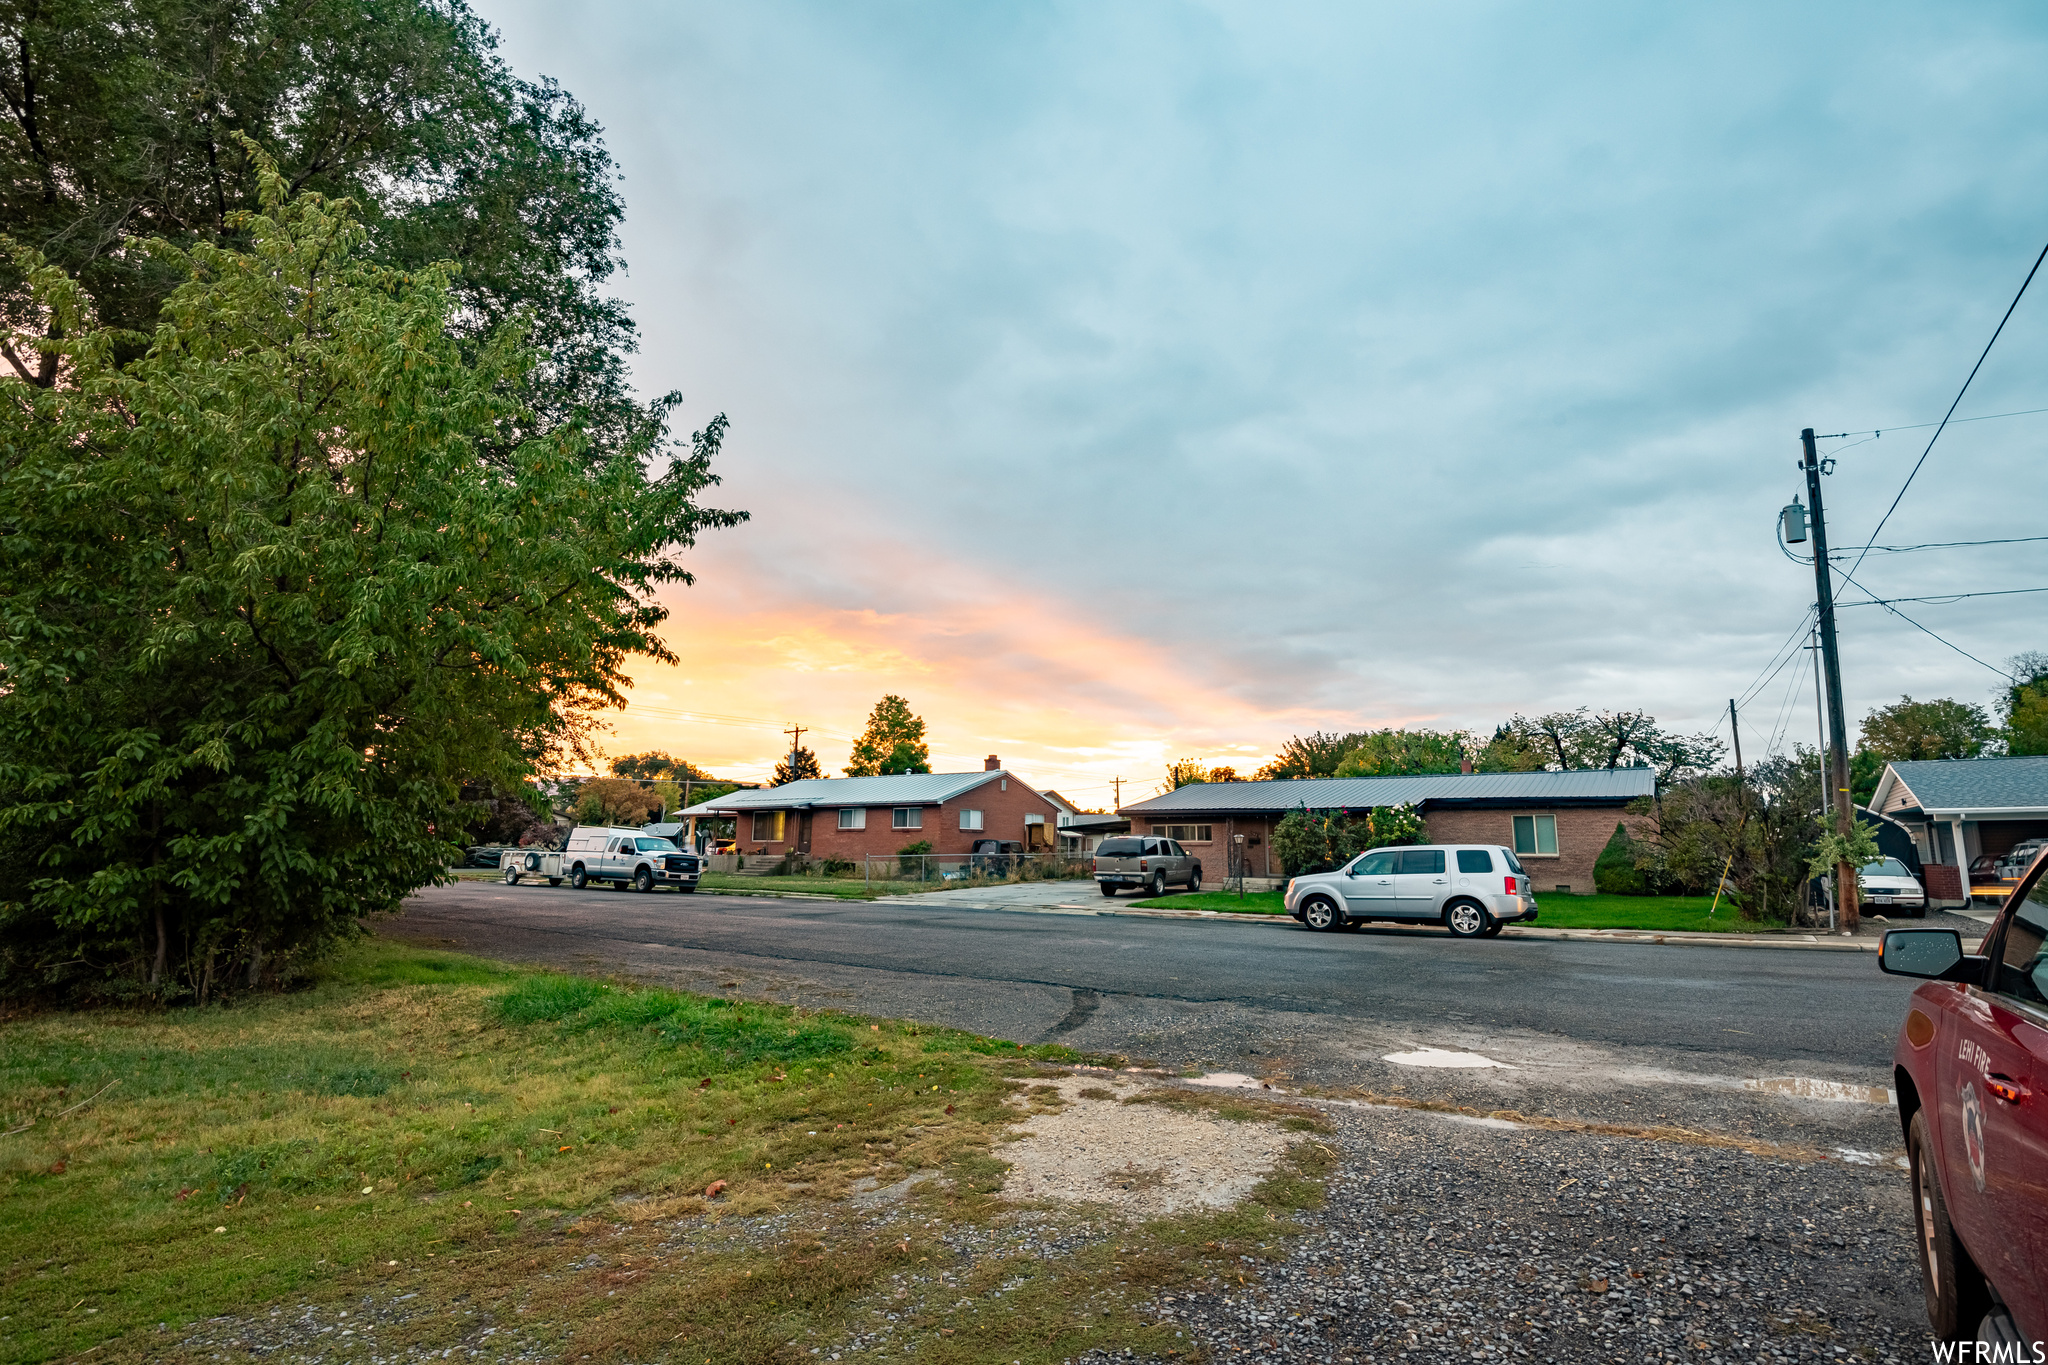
(623,857)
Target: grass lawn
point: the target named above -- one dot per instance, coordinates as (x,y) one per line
(1252,903)
(471,1146)
(1560,911)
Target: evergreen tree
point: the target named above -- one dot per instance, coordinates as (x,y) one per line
(797,767)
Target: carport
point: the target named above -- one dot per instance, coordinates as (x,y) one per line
(1963,811)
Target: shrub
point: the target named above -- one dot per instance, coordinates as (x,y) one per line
(1616,871)
(1317,841)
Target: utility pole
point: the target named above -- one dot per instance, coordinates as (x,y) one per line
(796,735)
(1735,728)
(1837,768)
(1118,783)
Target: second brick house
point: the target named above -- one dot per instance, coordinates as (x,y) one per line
(1556,823)
(851,818)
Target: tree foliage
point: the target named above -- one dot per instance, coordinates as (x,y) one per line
(656,764)
(125,122)
(2023,707)
(615,801)
(800,764)
(1944,728)
(1584,738)
(1769,825)
(267,606)
(1401,753)
(1317,841)
(893,742)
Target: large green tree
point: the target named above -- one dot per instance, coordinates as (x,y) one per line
(265,603)
(1400,753)
(2023,707)
(123,121)
(893,742)
(1943,728)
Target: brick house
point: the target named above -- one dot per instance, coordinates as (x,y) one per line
(1961,812)
(1557,823)
(856,817)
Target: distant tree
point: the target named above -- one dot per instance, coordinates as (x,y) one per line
(2023,708)
(1908,730)
(1316,756)
(893,742)
(615,801)
(656,764)
(1187,772)
(1768,824)
(1401,753)
(1510,751)
(1583,738)
(502,817)
(1224,775)
(800,765)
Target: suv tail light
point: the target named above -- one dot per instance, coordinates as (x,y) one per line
(1143,864)
(1511,886)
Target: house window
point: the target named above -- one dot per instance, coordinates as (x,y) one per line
(853,817)
(1187,834)
(970,819)
(1536,834)
(906,817)
(767,826)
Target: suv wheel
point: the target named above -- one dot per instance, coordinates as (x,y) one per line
(1956,1297)
(1195,880)
(1466,919)
(643,880)
(1492,929)
(1321,914)
(1158,884)
(578,878)
(1108,888)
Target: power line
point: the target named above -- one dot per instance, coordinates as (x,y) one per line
(1922,629)
(1943,424)
(1951,544)
(1922,426)
(1944,599)
(1762,680)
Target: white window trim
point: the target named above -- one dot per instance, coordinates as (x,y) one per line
(1536,836)
(853,817)
(970,820)
(907,817)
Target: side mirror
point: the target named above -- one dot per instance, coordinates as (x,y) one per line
(1930,954)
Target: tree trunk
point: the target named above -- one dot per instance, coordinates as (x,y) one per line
(255,965)
(163,948)
(206,978)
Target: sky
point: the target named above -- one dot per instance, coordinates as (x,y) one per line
(1128,382)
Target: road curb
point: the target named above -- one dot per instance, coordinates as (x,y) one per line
(1650,937)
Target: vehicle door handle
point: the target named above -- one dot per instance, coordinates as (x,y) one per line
(2006,1088)
(1441,880)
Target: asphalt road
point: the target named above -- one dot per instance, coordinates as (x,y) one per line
(1596,1029)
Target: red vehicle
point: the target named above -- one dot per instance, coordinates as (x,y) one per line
(1972,1075)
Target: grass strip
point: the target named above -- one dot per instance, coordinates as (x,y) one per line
(429,1151)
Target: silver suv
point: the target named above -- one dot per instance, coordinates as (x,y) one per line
(1473,890)
(1144,861)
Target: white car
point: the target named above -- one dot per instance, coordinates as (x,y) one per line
(1888,884)
(1473,890)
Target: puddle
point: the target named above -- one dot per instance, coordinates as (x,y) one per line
(1230,1080)
(1807,1088)
(1438,1057)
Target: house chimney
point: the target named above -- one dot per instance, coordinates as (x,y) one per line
(991,764)
(1465,765)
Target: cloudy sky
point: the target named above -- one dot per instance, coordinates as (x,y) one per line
(1121,382)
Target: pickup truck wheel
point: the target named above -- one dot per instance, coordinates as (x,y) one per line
(1466,919)
(578,878)
(511,876)
(1956,1296)
(1195,880)
(1321,914)
(1108,888)
(643,880)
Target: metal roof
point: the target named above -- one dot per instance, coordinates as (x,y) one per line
(1976,784)
(1596,786)
(897,789)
